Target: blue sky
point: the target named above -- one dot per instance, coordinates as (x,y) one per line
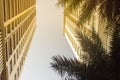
(47,41)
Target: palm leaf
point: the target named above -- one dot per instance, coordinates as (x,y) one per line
(72,69)
(68,66)
(91,45)
(63,2)
(87,9)
(115,53)
(70,5)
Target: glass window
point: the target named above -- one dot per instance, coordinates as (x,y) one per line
(15,77)
(14,59)
(11,66)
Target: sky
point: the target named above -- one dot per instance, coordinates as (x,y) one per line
(48,41)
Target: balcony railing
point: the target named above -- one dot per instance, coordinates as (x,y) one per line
(1,54)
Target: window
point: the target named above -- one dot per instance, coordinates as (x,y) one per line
(16,36)
(15,77)
(13,25)
(11,66)
(4,10)
(17,55)
(1,76)
(12,5)
(14,42)
(10,46)
(14,59)
(18,71)
(8,28)
(8,6)
(7,54)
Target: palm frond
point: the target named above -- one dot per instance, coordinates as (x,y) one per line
(106,13)
(73,6)
(73,69)
(63,2)
(109,10)
(70,5)
(106,9)
(100,62)
(87,9)
(115,53)
(115,40)
(91,45)
(69,66)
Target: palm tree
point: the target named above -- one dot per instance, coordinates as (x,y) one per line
(99,64)
(109,11)
(72,69)
(68,67)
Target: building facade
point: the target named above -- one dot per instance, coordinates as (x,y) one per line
(70,24)
(17,26)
